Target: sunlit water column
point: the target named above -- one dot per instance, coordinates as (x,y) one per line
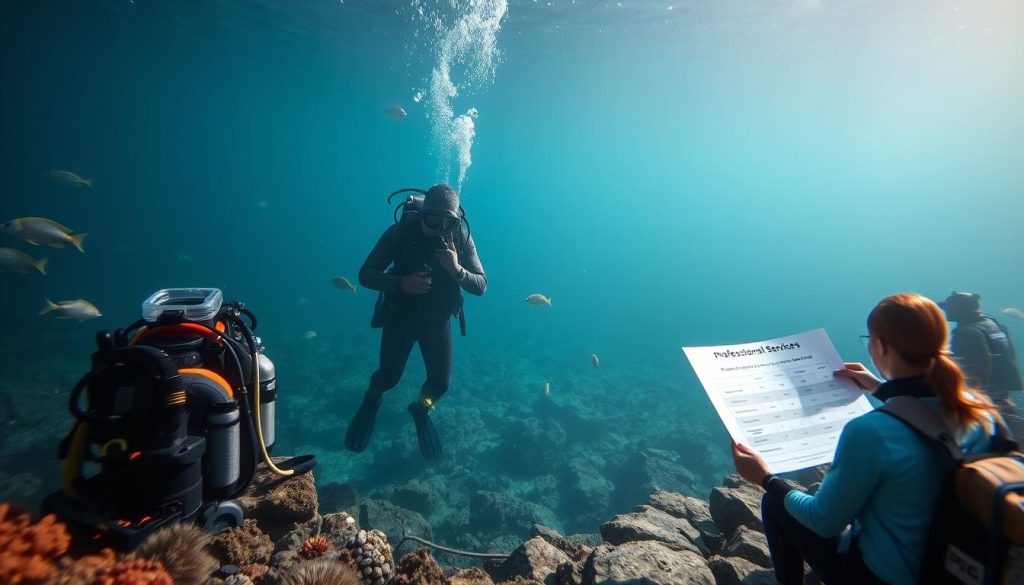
(466,51)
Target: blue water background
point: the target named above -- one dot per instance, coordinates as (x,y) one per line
(670,173)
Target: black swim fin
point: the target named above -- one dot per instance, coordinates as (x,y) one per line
(361,427)
(430,442)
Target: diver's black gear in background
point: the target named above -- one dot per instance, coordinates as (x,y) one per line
(984,350)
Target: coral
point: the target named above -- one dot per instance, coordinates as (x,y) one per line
(238,579)
(134,572)
(371,554)
(322,572)
(83,570)
(419,568)
(472,576)
(28,551)
(314,547)
(181,549)
(243,545)
(254,571)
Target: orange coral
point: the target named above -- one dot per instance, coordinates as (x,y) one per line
(254,571)
(134,572)
(314,547)
(83,570)
(27,550)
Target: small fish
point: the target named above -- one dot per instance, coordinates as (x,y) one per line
(309,334)
(261,204)
(41,231)
(184,258)
(68,179)
(539,300)
(76,310)
(1013,312)
(302,300)
(595,360)
(17,261)
(396,112)
(547,389)
(343,283)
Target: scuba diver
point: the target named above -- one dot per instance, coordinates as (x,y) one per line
(420,265)
(983,349)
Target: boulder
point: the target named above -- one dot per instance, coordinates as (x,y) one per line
(535,559)
(497,512)
(645,563)
(338,497)
(737,503)
(472,576)
(750,545)
(650,470)
(576,546)
(737,571)
(588,494)
(649,523)
(693,509)
(530,445)
(392,520)
(279,504)
(416,495)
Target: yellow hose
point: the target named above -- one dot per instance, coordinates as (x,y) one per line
(72,468)
(259,423)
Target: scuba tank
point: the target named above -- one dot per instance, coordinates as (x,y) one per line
(268,399)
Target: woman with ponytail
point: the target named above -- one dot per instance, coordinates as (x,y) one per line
(869,520)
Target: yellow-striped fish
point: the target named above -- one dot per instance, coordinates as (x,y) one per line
(12,260)
(41,231)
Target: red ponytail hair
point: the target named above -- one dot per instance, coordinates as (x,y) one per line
(915,328)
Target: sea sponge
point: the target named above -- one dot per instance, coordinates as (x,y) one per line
(82,571)
(242,545)
(28,551)
(419,568)
(134,572)
(322,572)
(314,547)
(181,549)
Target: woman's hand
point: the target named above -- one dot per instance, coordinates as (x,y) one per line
(448,258)
(749,463)
(860,375)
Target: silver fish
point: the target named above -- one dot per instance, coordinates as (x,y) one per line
(1013,312)
(68,179)
(41,231)
(12,260)
(396,112)
(539,300)
(76,310)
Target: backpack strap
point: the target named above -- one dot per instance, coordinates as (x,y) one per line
(923,419)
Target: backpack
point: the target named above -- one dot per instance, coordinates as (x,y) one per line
(977,533)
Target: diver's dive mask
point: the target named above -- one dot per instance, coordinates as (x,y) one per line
(438,221)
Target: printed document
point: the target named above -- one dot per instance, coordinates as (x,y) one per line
(779,396)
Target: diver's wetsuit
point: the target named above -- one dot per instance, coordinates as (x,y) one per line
(423,319)
(986,354)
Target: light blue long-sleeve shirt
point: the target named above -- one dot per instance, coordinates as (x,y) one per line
(885,481)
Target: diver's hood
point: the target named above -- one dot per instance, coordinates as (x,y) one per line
(960,305)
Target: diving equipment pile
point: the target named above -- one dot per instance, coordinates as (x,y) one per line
(178,409)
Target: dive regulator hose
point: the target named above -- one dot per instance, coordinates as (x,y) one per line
(303,465)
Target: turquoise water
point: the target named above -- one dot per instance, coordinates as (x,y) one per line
(670,173)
